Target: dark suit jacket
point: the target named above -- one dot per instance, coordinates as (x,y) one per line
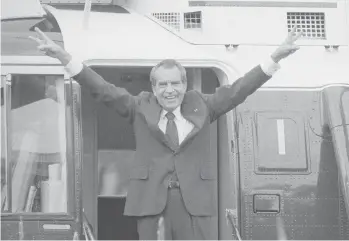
(156,157)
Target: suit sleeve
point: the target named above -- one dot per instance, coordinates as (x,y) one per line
(114,97)
(228,97)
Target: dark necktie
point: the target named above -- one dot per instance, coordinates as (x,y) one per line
(171,128)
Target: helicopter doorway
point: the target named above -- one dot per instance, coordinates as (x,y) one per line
(109,146)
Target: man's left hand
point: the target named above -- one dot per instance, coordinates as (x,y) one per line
(288,47)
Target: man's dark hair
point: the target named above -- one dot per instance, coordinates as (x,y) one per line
(168,64)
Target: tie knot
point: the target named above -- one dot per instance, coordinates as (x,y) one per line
(170,116)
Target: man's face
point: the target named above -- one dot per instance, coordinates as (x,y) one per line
(169,88)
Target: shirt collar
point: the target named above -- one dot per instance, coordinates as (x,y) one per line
(176,112)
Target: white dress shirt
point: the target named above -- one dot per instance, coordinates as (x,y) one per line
(184,127)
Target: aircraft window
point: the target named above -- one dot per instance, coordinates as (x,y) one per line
(280,143)
(15,32)
(192,20)
(37,159)
(49,24)
(46,24)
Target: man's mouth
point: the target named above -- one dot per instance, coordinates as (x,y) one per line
(170,97)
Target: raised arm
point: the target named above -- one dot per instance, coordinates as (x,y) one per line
(114,97)
(228,97)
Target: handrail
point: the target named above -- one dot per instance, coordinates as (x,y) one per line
(87,228)
(231,217)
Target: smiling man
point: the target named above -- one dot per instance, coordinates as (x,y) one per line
(169,84)
(172,175)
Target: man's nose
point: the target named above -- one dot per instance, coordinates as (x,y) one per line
(169,88)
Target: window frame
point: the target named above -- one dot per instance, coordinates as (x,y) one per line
(7,98)
(189,22)
(74,202)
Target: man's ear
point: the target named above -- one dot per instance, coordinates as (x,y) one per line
(153,88)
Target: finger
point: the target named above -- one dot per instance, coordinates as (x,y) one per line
(298,35)
(39,41)
(44,47)
(42,35)
(291,34)
(293,31)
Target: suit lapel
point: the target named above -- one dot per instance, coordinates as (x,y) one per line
(152,111)
(192,110)
(195,112)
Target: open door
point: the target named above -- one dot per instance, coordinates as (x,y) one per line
(109,146)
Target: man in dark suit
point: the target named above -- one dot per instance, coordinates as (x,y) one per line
(172,175)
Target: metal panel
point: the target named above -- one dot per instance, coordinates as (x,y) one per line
(9,230)
(172,19)
(311,204)
(312,25)
(35,230)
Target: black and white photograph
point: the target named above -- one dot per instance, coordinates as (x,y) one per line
(174,119)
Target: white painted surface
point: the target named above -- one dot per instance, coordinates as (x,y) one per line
(21,8)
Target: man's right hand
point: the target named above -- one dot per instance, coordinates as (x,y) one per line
(50,48)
